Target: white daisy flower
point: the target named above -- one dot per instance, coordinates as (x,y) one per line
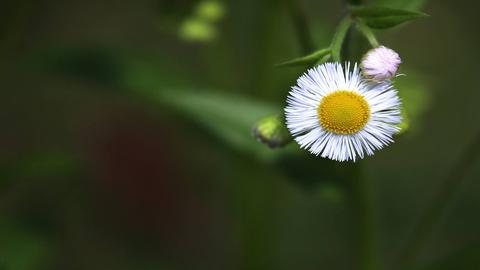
(380,64)
(337,114)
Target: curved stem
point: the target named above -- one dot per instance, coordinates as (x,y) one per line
(367,33)
(439,204)
(339,38)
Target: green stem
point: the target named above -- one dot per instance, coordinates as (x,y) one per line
(301,26)
(361,196)
(361,201)
(360,192)
(339,38)
(367,33)
(439,204)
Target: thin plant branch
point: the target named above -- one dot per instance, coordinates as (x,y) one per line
(367,33)
(340,39)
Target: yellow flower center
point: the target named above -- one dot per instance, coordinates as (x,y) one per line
(343,112)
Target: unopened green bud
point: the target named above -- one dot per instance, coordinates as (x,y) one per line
(271,130)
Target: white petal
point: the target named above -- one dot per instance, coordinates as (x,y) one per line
(302,117)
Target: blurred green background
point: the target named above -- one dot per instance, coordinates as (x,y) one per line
(126,139)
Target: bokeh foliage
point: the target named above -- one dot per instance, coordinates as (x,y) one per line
(127,138)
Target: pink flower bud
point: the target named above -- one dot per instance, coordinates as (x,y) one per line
(380,64)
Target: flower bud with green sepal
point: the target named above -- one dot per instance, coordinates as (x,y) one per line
(271,130)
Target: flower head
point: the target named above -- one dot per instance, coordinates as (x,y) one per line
(380,64)
(335,113)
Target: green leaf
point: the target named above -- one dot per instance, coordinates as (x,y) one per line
(339,37)
(383,18)
(308,59)
(403,4)
(229,117)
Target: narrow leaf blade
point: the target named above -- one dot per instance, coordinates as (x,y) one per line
(228,117)
(308,59)
(383,18)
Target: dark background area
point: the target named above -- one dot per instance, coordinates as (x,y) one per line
(126,140)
